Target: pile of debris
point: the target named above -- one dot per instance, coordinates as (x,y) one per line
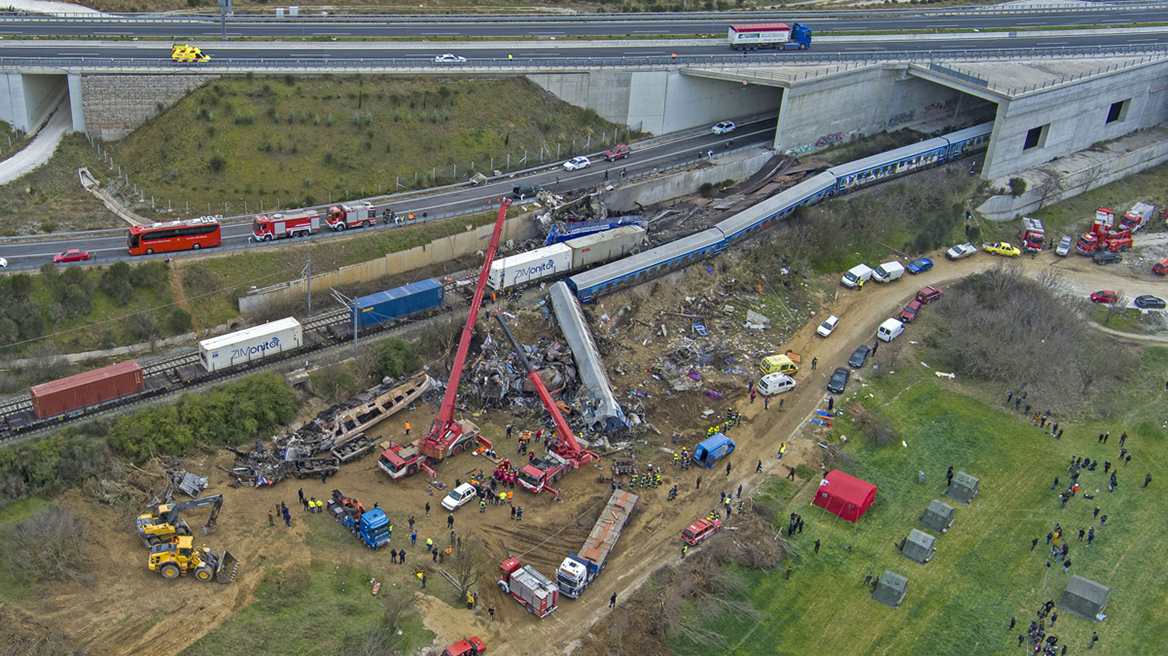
(499,379)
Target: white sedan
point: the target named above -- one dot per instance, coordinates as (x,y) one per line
(961,250)
(828,327)
(724,127)
(577,163)
(3,263)
(449,58)
(459,496)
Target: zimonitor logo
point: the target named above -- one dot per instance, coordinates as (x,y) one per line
(545,267)
(262,347)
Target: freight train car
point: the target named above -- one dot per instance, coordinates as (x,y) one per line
(396,303)
(87,389)
(605,246)
(252,344)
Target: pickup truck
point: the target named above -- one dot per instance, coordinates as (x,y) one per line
(617,152)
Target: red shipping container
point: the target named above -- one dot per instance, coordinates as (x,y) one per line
(86,389)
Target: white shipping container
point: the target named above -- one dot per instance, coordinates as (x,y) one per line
(530,266)
(250,344)
(605,246)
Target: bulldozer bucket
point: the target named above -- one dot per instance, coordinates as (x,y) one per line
(228,564)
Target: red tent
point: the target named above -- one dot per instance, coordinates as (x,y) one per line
(844,495)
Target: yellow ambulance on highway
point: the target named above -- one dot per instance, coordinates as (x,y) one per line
(188,54)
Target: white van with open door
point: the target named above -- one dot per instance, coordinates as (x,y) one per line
(888,272)
(889,330)
(856,275)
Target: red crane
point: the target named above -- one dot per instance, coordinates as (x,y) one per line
(564,452)
(448,436)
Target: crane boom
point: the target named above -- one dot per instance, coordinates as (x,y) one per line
(445,423)
(563,431)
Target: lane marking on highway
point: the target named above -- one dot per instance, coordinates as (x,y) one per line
(331,33)
(1142,40)
(78,54)
(440,34)
(547,33)
(309,54)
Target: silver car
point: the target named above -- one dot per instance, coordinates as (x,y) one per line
(961,250)
(1064,247)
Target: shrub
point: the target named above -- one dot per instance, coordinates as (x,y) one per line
(289,80)
(49,546)
(217,164)
(329,122)
(707,190)
(395,358)
(1017,186)
(142,325)
(179,320)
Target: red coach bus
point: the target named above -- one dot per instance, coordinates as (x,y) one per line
(191,234)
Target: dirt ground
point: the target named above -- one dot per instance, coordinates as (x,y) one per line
(134,611)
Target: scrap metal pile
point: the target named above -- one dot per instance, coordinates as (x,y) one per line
(334,437)
(499,379)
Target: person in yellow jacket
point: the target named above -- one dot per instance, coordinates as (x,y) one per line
(469,601)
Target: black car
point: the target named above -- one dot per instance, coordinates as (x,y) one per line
(839,380)
(1149,302)
(1106,257)
(860,356)
(525,191)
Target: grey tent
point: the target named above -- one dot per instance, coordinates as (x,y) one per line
(1085,598)
(938,516)
(963,489)
(919,546)
(891,589)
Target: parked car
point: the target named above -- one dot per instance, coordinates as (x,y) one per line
(724,127)
(3,263)
(1064,246)
(961,250)
(920,266)
(577,163)
(828,326)
(1147,302)
(449,58)
(618,152)
(459,496)
(1104,297)
(929,294)
(910,311)
(1102,257)
(859,356)
(839,380)
(466,647)
(71,255)
(776,383)
(1002,248)
(525,191)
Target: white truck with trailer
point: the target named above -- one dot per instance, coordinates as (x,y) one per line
(770,35)
(576,572)
(250,344)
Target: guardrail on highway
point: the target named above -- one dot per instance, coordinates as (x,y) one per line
(528,65)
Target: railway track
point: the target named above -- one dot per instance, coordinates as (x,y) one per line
(183,372)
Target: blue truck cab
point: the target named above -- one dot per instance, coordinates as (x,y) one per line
(372,528)
(713,449)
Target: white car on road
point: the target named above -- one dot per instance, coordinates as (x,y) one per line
(3,263)
(459,496)
(577,163)
(828,327)
(449,58)
(724,127)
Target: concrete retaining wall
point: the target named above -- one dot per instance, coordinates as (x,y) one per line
(116,105)
(1079,173)
(436,252)
(655,190)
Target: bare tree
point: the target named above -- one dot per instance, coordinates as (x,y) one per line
(377,642)
(44,363)
(1116,306)
(467,562)
(49,546)
(398,606)
(1050,188)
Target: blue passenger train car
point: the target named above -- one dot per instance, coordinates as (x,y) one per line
(645,265)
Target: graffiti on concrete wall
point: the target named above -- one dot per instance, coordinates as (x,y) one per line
(947,104)
(822,142)
(903,117)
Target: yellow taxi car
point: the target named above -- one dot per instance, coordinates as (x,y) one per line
(1002,248)
(188,54)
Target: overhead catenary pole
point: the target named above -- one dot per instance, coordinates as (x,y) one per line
(308,283)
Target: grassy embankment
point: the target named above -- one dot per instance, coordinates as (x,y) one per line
(984,572)
(51,198)
(295,141)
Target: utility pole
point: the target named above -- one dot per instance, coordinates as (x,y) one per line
(308,282)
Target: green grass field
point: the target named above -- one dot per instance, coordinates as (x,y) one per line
(271,140)
(984,572)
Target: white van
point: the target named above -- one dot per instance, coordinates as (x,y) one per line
(860,272)
(775,383)
(889,330)
(888,272)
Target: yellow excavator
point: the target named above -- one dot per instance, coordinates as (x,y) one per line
(163,525)
(180,557)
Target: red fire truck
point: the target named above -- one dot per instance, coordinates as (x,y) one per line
(360,215)
(300,223)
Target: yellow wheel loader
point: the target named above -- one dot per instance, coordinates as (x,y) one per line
(162,524)
(180,558)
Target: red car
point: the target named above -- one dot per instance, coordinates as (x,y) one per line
(618,152)
(910,311)
(466,647)
(1108,297)
(697,532)
(929,294)
(71,255)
